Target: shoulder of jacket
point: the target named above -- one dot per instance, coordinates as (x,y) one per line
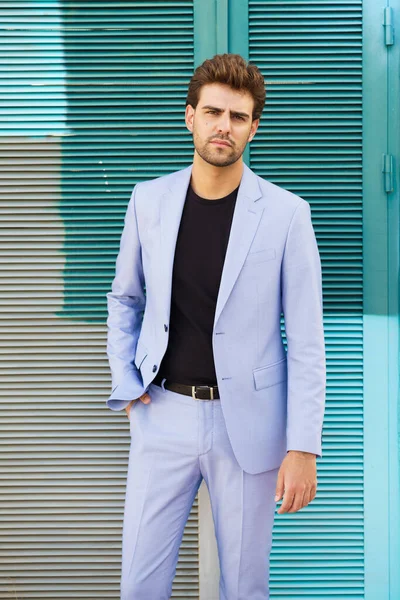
(280,195)
(158,183)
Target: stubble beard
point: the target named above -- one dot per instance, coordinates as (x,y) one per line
(215,156)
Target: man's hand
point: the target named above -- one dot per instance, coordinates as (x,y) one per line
(145,398)
(297,477)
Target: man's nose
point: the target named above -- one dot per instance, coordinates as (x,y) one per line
(224,124)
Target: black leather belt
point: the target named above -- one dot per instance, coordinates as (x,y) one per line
(198,392)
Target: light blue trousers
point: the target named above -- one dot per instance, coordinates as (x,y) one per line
(177,441)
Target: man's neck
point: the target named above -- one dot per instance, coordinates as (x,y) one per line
(211,182)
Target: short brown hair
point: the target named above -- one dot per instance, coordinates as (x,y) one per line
(233,70)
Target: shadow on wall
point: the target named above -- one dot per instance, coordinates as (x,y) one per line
(126,101)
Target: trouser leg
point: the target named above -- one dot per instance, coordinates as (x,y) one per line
(243,510)
(162,482)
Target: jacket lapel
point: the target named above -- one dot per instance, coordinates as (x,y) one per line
(246,217)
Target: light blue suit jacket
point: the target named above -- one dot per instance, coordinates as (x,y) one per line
(272,401)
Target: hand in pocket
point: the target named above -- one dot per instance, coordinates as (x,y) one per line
(145,398)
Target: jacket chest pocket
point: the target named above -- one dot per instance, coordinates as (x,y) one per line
(260,255)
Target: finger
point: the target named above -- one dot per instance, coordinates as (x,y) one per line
(307,498)
(279,487)
(298,501)
(287,502)
(145,398)
(128,408)
(313,492)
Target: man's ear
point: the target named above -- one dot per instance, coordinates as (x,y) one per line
(189,116)
(253,129)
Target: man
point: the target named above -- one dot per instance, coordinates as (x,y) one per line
(210,257)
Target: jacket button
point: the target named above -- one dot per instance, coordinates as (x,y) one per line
(165,327)
(154,368)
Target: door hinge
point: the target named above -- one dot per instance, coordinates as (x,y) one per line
(387,170)
(388,26)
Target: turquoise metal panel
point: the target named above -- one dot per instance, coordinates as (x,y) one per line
(393,493)
(205,38)
(381,305)
(210,29)
(376,474)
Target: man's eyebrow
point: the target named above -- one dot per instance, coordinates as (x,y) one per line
(233,112)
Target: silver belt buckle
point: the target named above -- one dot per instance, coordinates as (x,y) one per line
(194,392)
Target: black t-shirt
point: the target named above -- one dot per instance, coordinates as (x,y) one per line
(199,257)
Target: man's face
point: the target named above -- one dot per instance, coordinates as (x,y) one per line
(221,114)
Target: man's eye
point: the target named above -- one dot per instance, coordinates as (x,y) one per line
(213,112)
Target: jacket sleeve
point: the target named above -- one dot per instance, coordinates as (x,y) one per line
(126,302)
(303,314)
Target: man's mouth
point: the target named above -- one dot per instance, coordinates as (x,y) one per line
(220,143)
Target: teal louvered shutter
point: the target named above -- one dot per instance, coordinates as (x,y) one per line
(310,142)
(93,100)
